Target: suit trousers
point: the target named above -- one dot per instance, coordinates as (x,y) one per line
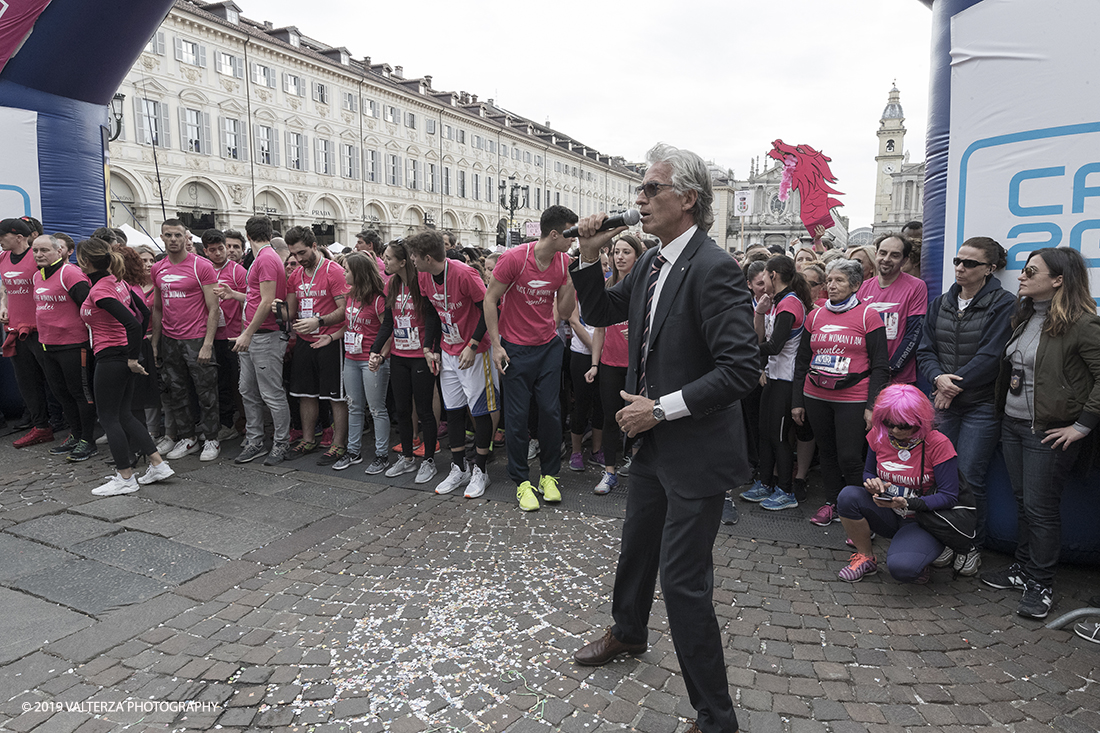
(686,529)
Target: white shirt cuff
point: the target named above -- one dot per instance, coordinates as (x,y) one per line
(674,406)
(581,264)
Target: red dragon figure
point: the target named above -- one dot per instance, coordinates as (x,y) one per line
(807,171)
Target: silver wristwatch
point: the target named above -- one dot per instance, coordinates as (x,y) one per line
(658,411)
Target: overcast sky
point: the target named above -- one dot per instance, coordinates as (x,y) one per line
(720,77)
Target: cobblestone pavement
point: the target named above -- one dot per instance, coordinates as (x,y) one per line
(288,599)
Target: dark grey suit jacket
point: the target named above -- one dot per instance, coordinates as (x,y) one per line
(702,342)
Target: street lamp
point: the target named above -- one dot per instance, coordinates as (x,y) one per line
(512,196)
(116,115)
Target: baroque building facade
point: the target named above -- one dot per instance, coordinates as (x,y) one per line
(899,184)
(225,117)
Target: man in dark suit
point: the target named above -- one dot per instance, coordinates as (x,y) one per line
(693,356)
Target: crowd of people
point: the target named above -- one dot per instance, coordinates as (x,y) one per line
(277,339)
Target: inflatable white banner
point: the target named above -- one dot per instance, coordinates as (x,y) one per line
(1024,160)
(19,195)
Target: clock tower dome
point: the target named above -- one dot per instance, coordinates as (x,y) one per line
(891,154)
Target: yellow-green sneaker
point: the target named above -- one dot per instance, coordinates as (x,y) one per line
(548,487)
(528,502)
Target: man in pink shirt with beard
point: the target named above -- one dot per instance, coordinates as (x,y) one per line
(185,322)
(901,300)
(230,291)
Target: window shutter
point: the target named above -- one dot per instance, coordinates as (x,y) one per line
(223,145)
(238,67)
(202,56)
(274,146)
(400,168)
(314,87)
(207,141)
(286,82)
(305,153)
(179,48)
(183,128)
(242,141)
(289,152)
(318,155)
(141,125)
(271,78)
(158,45)
(355,163)
(164,139)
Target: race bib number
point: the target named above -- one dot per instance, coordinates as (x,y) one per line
(305,308)
(830,364)
(450,330)
(891,322)
(221,317)
(405,337)
(353,342)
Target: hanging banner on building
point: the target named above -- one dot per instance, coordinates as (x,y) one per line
(19,192)
(1024,155)
(742,203)
(16,21)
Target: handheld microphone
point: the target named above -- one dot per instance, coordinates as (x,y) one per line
(628,218)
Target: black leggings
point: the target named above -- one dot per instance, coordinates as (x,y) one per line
(775,427)
(114,392)
(586,395)
(411,377)
(67,374)
(612,381)
(841,434)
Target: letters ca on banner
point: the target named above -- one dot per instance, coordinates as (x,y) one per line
(1024,160)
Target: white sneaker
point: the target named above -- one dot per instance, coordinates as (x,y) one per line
(117,485)
(402,465)
(156,472)
(211,449)
(454,479)
(426,472)
(532,450)
(478,481)
(228,432)
(101,440)
(165,444)
(185,447)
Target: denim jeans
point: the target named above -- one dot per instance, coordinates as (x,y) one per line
(262,384)
(366,390)
(1038,475)
(974,431)
(911,547)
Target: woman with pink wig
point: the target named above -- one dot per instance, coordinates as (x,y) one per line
(910,468)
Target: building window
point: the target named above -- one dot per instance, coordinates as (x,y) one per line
(414,175)
(460,136)
(489,188)
(448,132)
(431,185)
(477,186)
(372,108)
(351,102)
(230,65)
(320,92)
(393,170)
(296,151)
(462,184)
(326,164)
(493,146)
(557,198)
(538,161)
(349,161)
(538,199)
(233,146)
(193,132)
(156,44)
(292,84)
(475,141)
(266,151)
(429,126)
(527,156)
(391,114)
(371,171)
(152,122)
(189,52)
(503,150)
(263,75)
(446,181)
(410,120)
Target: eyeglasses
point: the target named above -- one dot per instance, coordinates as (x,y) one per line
(968,264)
(1031,271)
(651,189)
(898,426)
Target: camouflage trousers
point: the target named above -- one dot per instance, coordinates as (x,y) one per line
(180,371)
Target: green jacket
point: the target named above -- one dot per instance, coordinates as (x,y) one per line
(1067,376)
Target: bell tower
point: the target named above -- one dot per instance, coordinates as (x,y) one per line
(891,153)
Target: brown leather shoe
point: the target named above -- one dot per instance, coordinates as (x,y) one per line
(604,649)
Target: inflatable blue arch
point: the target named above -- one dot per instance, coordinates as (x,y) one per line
(1011,160)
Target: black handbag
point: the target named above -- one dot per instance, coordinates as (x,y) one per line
(955,527)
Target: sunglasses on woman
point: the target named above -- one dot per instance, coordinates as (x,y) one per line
(898,426)
(1031,271)
(968,264)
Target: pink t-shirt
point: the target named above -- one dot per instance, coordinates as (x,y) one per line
(105,329)
(17,278)
(614,345)
(456,302)
(229,322)
(183,305)
(58,315)
(527,318)
(363,322)
(409,336)
(267,267)
(891,467)
(838,343)
(907,296)
(148,299)
(317,295)
(382,269)
(781,365)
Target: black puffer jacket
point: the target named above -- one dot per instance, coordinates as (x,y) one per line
(968,343)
